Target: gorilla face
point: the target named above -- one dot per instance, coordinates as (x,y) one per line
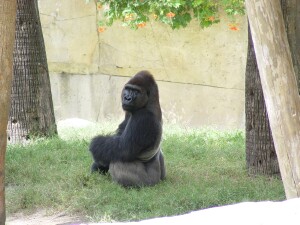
(134,97)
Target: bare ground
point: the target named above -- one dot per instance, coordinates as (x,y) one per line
(42,218)
(246,213)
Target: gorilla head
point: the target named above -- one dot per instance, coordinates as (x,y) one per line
(133,156)
(141,91)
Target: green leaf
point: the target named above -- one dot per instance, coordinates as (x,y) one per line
(197,3)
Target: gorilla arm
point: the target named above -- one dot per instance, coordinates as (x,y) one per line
(142,133)
(100,142)
(123,125)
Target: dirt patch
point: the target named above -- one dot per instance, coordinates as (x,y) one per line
(43,218)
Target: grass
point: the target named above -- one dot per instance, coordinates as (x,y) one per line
(205,168)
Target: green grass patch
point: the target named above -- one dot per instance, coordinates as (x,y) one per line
(205,168)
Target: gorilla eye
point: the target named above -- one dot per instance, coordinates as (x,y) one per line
(136,92)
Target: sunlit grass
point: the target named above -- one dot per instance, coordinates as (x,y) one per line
(205,168)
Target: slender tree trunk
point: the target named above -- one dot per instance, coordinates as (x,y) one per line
(32,111)
(7,31)
(279,87)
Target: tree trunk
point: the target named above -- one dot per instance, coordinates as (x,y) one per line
(7,31)
(260,151)
(279,87)
(31,111)
(291,16)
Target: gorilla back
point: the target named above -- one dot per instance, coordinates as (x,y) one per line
(132,155)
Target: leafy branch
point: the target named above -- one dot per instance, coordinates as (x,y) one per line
(176,13)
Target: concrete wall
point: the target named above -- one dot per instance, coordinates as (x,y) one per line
(200,72)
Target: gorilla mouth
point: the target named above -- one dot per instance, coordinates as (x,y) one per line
(127,107)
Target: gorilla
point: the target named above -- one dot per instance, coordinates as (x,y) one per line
(133,156)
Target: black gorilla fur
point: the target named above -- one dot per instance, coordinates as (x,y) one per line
(133,156)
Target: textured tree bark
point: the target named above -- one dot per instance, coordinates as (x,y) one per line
(7,31)
(279,86)
(260,151)
(32,111)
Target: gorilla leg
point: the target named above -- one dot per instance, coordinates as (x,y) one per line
(137,173)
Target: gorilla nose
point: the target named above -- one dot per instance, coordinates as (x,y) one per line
(128,98)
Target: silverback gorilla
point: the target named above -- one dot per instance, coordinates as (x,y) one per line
(132,155)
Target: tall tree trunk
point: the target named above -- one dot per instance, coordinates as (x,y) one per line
(7,31)
(260,152)
(291,15)
(279,87)
(32,111)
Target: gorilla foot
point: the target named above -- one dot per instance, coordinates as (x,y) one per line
(99,168)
